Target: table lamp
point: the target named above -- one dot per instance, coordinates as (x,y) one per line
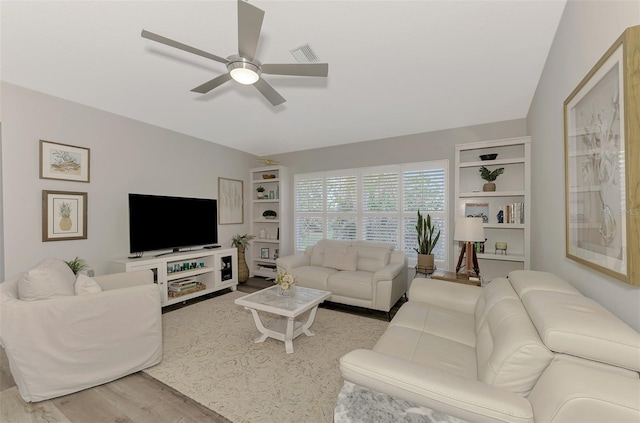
(469,230)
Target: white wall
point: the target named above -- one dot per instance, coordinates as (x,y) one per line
(586,31)
(126,156)
(1,213)
(435,145)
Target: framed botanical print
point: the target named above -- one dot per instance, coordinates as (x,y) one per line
(602,176)
(64,162)
(64,215)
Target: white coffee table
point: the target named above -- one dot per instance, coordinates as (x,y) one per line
(286,328)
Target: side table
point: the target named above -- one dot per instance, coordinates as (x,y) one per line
(455,277)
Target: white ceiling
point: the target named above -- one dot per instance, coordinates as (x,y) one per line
(395,67)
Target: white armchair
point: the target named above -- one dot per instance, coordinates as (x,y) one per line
(68,343)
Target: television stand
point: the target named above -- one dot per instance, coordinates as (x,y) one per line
(213,270)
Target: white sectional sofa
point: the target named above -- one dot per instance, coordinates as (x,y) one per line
(359,273)
(530,348)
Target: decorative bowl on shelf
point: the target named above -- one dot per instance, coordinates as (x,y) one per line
(268,176)
(269,214)
(488,156)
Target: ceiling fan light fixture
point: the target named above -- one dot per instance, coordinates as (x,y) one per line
(244,72)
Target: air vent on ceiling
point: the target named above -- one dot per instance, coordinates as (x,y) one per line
(304,54)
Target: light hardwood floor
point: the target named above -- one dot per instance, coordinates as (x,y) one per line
(137,398)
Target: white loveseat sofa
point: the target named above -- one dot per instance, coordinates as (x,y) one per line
(359,273)
(63,334)
(529,348)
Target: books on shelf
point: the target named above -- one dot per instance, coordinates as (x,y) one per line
(182,285)
(514,213)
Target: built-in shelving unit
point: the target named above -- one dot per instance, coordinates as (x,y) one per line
(211,270)
(513,187)
(269,231)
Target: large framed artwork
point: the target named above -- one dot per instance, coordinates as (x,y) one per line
(64,162)
(230,201)
(64,215)
(602,175)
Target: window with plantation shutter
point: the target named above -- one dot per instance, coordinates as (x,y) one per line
(373,204)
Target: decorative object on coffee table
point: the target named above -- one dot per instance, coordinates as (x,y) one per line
(469,230)
(241,242)
(490,176)
(426,243)
(286,284)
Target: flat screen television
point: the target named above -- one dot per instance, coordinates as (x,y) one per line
(161,223)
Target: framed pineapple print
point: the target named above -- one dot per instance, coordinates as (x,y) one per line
(64,162)
(64,215)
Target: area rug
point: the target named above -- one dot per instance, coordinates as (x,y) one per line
(210,356)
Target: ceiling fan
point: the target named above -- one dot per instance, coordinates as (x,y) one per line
(244,67)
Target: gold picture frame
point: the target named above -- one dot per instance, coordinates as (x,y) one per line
(64,215)
(64,162)
(602,176)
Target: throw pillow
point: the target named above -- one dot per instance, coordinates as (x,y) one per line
(86,285)
(340,260)
(50,278)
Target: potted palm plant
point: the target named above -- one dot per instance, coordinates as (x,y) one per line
(490,176)
(426,242)
(241,242)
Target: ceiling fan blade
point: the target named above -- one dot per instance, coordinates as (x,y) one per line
(171,43)
(268,91)
(209,85)
(249,25)
(299,69)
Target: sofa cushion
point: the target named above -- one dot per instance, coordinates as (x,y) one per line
(372,259)
(312,276)
(356,284)
(340,260)
(50,278)
(444,323)
(509,351)
(86,285)
(429,350)
(577,325)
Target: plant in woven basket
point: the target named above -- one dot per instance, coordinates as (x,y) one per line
(490,176)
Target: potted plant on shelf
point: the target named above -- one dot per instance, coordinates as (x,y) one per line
(241,242)
(260,190)
(426,243)
(490,176)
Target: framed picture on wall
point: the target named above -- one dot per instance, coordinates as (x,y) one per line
(64,162)
(602,135)
(64,215)
(230,201)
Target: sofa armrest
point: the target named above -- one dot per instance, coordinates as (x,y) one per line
(287,263)
(449,295)
(389,272)
(422,385)
(124,279)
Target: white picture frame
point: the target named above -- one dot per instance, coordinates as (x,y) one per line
(230,201)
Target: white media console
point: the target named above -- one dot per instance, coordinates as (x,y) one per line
(215,269)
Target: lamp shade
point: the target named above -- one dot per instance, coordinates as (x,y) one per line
(469,229)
